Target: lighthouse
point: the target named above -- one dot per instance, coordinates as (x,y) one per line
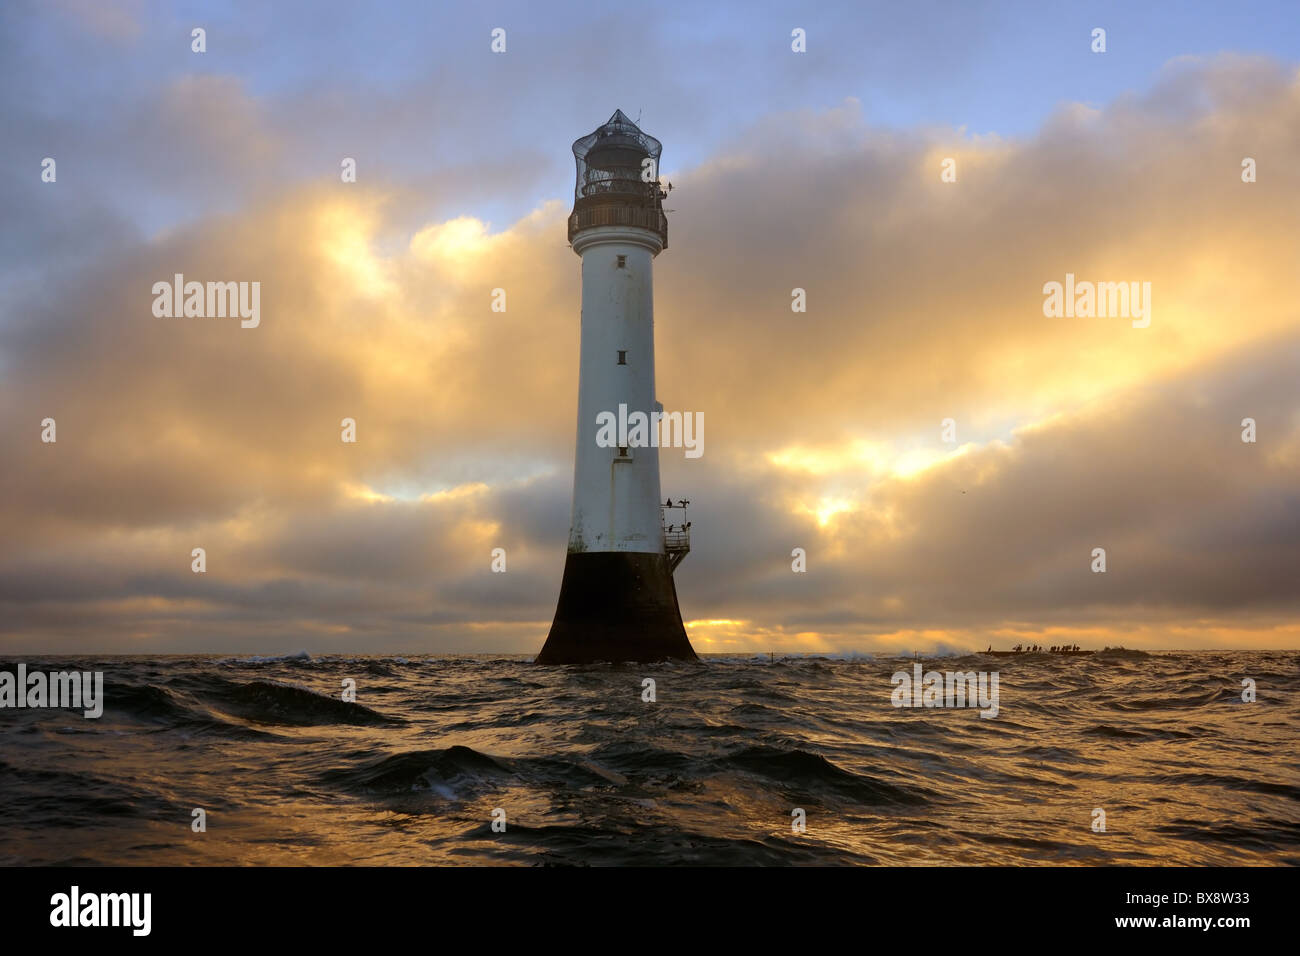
(617,600)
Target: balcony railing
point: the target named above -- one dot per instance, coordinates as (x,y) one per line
(617,214)
(677,544)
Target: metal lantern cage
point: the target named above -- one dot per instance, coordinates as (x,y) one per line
(610,190)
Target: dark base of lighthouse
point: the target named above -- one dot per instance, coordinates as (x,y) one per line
(616,606)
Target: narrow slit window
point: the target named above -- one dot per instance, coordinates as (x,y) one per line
(622,357)
(622,451)
(622,262)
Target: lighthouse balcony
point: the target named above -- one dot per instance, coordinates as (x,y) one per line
(677,544)
(617,214)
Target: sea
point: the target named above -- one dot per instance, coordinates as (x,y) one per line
(1117,758)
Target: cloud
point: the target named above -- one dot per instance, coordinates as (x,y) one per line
(925,303)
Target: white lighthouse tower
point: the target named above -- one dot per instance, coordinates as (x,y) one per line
(617,600)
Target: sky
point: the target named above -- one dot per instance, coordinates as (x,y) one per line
(819,170)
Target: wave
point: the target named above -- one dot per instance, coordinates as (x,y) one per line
(224,706)
(296,656)
(811,772)
(1138,733)
(1190,699)
(450,773)
(269,702)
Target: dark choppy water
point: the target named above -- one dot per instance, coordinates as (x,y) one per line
(590,774)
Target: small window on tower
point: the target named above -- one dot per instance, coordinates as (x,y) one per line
(622,262)
(622,451)
(622,357)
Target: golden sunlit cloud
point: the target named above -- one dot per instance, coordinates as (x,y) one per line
(455,243)
(873,459)
(345,232)
(363,493)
